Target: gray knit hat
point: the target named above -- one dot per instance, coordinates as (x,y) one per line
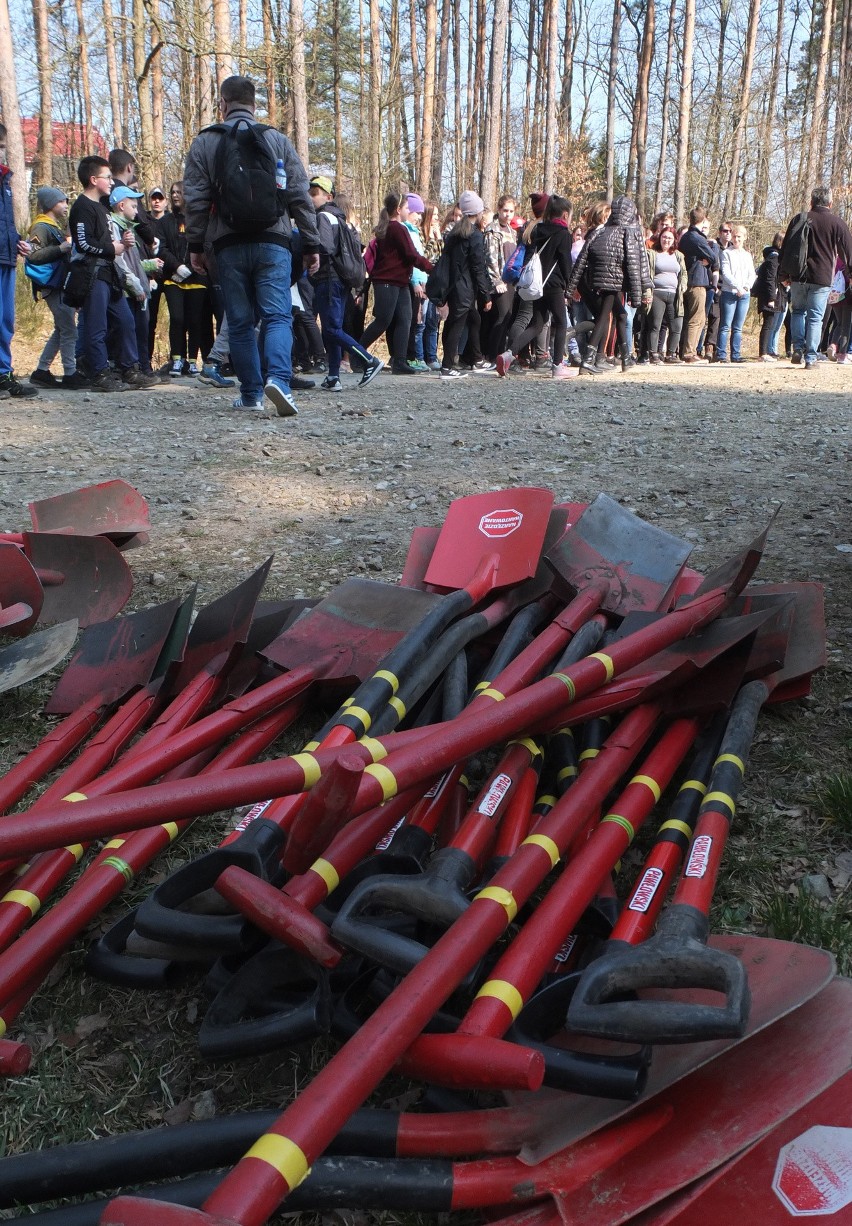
(48,198)
(471,204)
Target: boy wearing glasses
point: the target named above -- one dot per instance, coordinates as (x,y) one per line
(105,303)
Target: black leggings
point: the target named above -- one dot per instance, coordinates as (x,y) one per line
(663,307)
(458,319)
(551,305)
(391,314)
(497,322)
(190,322)
(606,307)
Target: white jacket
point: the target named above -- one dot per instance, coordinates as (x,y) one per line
(737,271)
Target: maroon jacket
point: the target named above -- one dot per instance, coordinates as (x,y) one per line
(396,255)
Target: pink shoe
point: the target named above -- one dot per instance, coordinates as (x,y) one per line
(504,361)
(564,372)
(842,359)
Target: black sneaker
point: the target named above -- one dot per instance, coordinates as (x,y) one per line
(298,384)
(75,382)
(137,380)
(106,381)
(44,378)
(331,383)
(319,366)
(376,365)
(453,372)
(15,388)
(402,369)
(796,359)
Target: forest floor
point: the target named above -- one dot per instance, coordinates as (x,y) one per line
(706,452)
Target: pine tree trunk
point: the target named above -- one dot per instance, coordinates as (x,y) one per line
(269,64)
(375,109)
(335,79)
(437,171)
(506,108)
(222,41)
(814,167)
(742,107)
(112,75)
(43,171)
(491,152)
(298,81)
(642,94)
(840,162)
(610,98)
(684,111)
(83,52)
(664,116)
(567,70)
(142,73)
(719,114)
(12,119)
(528,102)
(458,158)
(157,89)
(764,142)
(416,81)
(242,47)
(551,138)
(424,150)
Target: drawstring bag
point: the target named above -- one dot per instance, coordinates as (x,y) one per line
(531,282)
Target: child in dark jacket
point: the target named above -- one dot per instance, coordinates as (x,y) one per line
(50,248)
(464,247)
(771,297)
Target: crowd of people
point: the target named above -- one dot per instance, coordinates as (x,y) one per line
(267,284)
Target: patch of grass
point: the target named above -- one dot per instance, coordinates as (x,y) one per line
(801,917)
(834,800)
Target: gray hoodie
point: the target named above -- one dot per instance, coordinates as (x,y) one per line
(202,222)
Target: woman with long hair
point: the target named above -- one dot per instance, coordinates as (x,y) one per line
(464,247)
(736,277)
(668,274)
(551,240)
(395,257)
(433,243)
(190,306)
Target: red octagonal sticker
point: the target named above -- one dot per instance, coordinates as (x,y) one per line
(501,523)
(813,1176)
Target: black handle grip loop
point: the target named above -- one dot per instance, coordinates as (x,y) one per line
(406,854)
(436,897)
(162,916)
(276,999)
(108,959)
(675,957)
(621,1076)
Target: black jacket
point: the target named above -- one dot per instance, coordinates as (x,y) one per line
(329,220)
(469,271)
(553,243)
(767,287)
(615,260)
(696,248)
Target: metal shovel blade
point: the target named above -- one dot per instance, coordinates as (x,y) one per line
(783,976)
(509,524)
(112,508)
(636,562)
(113,657)
(82,576)
(350,630)
(19,586)
(36,654)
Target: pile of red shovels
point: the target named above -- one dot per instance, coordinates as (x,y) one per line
(432,879)
(65,574)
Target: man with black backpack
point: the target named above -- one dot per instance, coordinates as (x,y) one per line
(243,183)
(339,272)
(812,245)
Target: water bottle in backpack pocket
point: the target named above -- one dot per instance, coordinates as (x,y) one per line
(245,178)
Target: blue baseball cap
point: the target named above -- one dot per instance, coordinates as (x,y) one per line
(123,192)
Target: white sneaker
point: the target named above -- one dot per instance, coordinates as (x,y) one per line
(248,406)
(176,368)
(285,405)
(769,357)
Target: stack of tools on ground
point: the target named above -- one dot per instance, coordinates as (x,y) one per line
(432,881)
(65,574)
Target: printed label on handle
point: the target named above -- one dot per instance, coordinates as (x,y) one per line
(699,857)
(644,893)
(491,800)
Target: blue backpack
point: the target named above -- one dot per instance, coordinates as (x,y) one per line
(45,276)
(514,264)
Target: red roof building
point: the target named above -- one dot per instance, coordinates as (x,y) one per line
(69,141)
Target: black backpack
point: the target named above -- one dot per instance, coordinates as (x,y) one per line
(794,253)
(440,279)
(247,196)
(348,261)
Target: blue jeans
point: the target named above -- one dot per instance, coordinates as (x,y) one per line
(7,316)
(255,280)
(630,311)
(430,333)
(777,324)
(106,305)
(330,304)
(807,308)
(732,313)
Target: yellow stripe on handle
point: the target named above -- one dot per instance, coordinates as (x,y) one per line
(3,1028)
(490,692)
(311,746)
(681,827)
(606,661)
(75,849)
(546,844)
(695,784)
(25,898)
(385,778)
(171,829)
(731,757)
(363,716)
(589,753)
(309,766)
(721,798)
(374,747)
(650,783)
(398,706)
(326,870)
(283,1155)
(384,674)
(567,772)
(73,797)
(114,843)
(530,745)
(505,898)
(505,992)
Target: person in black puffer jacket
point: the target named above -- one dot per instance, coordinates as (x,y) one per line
(613,262)
(552,239)
(464,246)
(771,298)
